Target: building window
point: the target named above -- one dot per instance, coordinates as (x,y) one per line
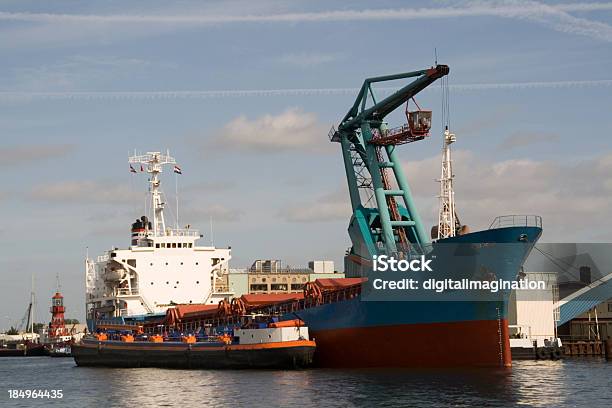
(610,307)
(256,288)
(278,286)
(297,286)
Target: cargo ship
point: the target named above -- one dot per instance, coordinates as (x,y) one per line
(164,265)
(352,330)
(273,345)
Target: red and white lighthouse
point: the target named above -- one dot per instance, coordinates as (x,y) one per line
(57,327)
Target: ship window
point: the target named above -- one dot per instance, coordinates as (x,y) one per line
(163,245)
(174,245)
(190,244)
(156,245)
(166,263)
(132,262)
(181,263)
(179,245)
(197,282)
(167,283)
(177,282)
(151,283)
(197,263)
(151,264)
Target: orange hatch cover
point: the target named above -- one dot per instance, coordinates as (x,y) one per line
(338,283)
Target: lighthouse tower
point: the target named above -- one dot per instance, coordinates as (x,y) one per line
(57,327)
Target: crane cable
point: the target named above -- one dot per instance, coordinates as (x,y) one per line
(444,87)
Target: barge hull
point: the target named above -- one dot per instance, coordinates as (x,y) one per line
(184,356)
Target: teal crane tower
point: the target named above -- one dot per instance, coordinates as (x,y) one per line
(380,223)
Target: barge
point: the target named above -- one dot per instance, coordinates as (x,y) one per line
(284,345)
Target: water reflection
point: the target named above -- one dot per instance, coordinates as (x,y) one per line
(570,382)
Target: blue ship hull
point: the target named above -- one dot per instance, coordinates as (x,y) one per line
(361,333)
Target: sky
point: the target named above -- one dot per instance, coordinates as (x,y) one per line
(243,94)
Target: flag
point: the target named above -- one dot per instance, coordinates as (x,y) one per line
(177,170)
(141,168)
(132,170)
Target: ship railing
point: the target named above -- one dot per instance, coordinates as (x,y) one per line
(182,232)
(126,291)
(507,221)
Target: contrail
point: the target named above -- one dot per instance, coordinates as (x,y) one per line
(232,93)
(555,16)
(503,9)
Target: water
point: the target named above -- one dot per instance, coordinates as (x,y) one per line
(567,383)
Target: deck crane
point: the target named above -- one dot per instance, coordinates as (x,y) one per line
(379,224)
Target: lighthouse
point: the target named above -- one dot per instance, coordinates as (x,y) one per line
(57,327)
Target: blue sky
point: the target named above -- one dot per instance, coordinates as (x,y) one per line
(82,84)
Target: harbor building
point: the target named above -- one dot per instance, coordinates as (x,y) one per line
(531,313)
(271,276)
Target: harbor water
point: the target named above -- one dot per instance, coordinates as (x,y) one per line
(566,383)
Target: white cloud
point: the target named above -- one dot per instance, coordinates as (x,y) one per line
(329,207)
(14,155)
(218,212)
(79,71)
(78,191)
(522,139)
(308,59)
(572,196)
(292,129)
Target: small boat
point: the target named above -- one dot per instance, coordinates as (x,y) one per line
(273,345)
(63,350)
(26,349)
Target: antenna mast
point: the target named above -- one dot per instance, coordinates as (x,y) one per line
(448,224)
(154,162)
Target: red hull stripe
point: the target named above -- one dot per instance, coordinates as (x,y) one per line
(481,343)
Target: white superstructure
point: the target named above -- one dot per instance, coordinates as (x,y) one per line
(162,267)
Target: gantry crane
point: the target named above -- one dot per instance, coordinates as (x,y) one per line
(379,224)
